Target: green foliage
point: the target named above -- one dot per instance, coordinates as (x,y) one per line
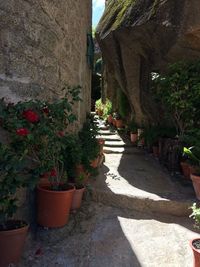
(124,107)
(106,108)
(195,215)
(89,143)
(13,175)
(132,126)
(179,91)
(38,132)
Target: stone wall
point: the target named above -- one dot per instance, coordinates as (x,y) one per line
(43,44)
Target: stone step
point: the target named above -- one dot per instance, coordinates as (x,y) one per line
(106,132)
(118,150)
(112,137)
(143,204)
(138,182)
(103,127)
(116,143)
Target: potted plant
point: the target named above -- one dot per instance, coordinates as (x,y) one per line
(78,193)
(133,131)
(195,243)
(118,121)
(99,107)
(193,154)
(12,231)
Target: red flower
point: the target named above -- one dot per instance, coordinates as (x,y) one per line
(30,116)
(22,132)
(53,173)
(45,110)
(61,133)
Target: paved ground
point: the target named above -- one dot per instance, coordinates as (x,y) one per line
(112,237)
(115,234)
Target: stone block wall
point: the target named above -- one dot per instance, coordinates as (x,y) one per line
(43,44)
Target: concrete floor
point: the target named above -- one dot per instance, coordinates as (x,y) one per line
(134,227)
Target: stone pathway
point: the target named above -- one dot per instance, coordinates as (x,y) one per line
(134,227)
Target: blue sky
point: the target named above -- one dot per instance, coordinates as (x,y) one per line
(98,8)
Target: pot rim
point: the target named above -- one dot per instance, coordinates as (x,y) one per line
(191,245)
(41,188)
(15,231)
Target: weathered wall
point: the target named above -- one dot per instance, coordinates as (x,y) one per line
(143,36)
(43,44)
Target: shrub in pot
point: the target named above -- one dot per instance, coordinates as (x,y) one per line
(193,154)
(12,231)
(195,243)
(78,193)
(90,145)
(133,127)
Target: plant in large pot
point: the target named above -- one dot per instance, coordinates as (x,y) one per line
(12,231)
(133,127)
(193,154)
(90,145)
(195,243)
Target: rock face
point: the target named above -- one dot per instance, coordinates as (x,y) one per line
(138,37)
(43,44)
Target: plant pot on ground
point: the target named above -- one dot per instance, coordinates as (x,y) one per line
(193,154)
(53,206)
(195,243)
(185,167)
(110,119)
(12,231)
(78,193)
(132,127)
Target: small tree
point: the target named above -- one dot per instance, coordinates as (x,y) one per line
(179,91)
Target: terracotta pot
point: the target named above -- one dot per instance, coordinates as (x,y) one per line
(196,184)
(185,167)
(114,122)
(80,170)
(110,119)
(77,198)
(155,151)
(53,207)
(11,245)
(94,163)
(196,253)
(119,123)
(134,137)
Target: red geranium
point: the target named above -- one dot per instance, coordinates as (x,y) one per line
(45,110)
(22,132)
(30,116)
(53,173)
(61,133)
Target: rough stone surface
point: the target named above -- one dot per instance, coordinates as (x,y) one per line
(114,237)
(131,178)
(43,44)
(142,36)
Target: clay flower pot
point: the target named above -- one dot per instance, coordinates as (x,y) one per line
(11,245)
(155,151)
(101,143)
(185,167)
(80,170)
(110,119)
(94,163)
(196,184)
(114,122)
(119,123)
(196,252)
(53,207)
(77,197)
(134,137)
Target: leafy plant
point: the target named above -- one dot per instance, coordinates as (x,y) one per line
(99,105)
(132,126)
(193,154)
(195,215)
(13,175)
(179,91)
(38,132)
(89,143)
